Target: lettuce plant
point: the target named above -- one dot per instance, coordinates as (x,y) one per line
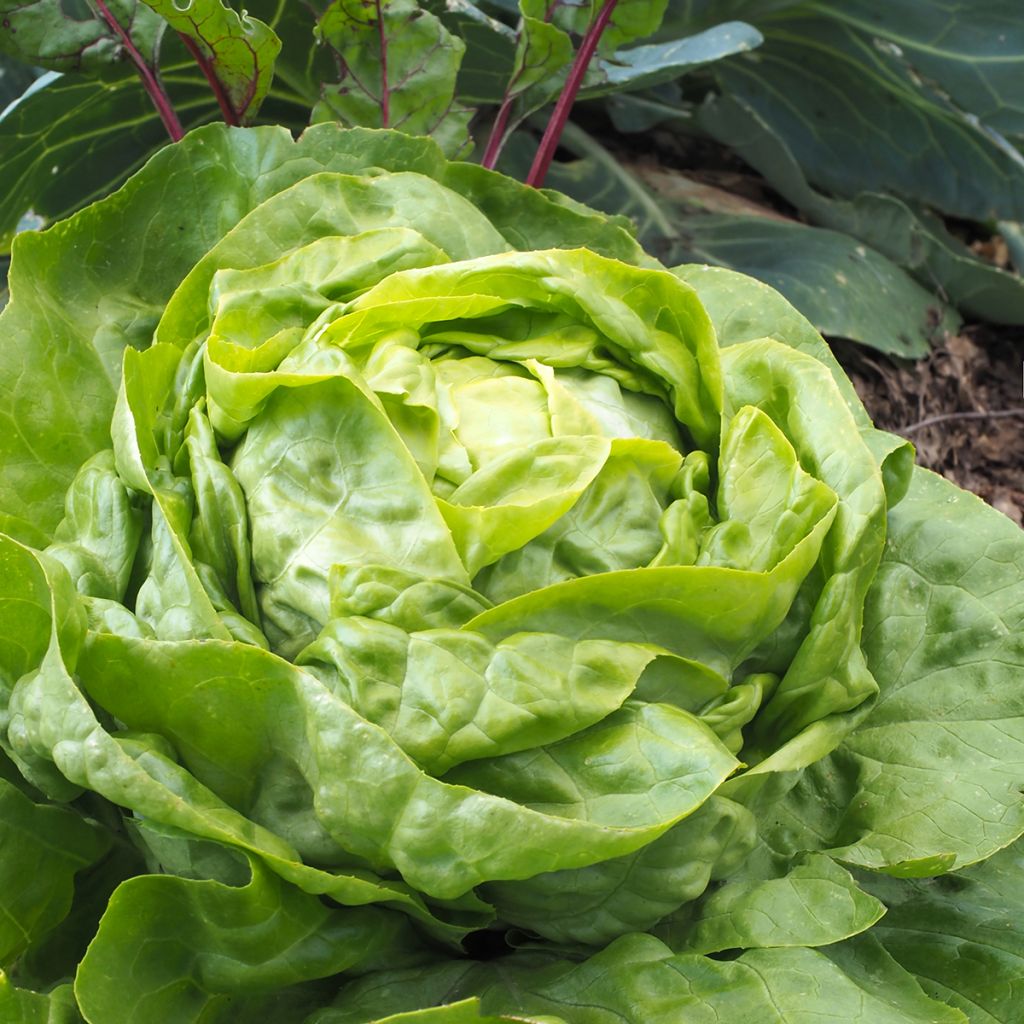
(400,569)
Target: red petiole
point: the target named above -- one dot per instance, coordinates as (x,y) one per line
(556,125)
(150,82)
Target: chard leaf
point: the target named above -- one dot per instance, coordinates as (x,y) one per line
(542,51)
(631,19)
(236,52)
(397,66)
(74,37)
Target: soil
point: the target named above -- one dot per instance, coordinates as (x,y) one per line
(962,407)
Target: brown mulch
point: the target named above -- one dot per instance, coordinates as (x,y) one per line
(962,407)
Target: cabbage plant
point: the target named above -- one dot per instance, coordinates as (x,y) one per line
(419,604)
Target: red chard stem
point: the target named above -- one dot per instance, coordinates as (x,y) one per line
(556,125)
(150,82)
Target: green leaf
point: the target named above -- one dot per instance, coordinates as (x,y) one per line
(961,934)
(914,239)
(64,36)
(235,50)
(510,501)
(197,948)
(490,49)
(826,275)
(135,772)
(814,904)
(15,78)
(391,516)
(596,904)
(816,75)
(542,51)
(644,66)
(664,754)
(744,309)
(72,140)
(466,1011)
(144,246)
(974,52)
(637,980)
(941,637)
(44,847)
(22,1006)
(449,696)
(56,956)
(398,66)
(630,20)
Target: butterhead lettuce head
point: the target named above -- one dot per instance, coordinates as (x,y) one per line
(394,552)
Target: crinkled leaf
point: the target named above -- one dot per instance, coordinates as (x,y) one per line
(64,349)
(597,904)
(449,696)
(663,765)
(942,639)
(135,772)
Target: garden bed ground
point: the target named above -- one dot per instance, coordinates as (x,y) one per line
(962,407)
